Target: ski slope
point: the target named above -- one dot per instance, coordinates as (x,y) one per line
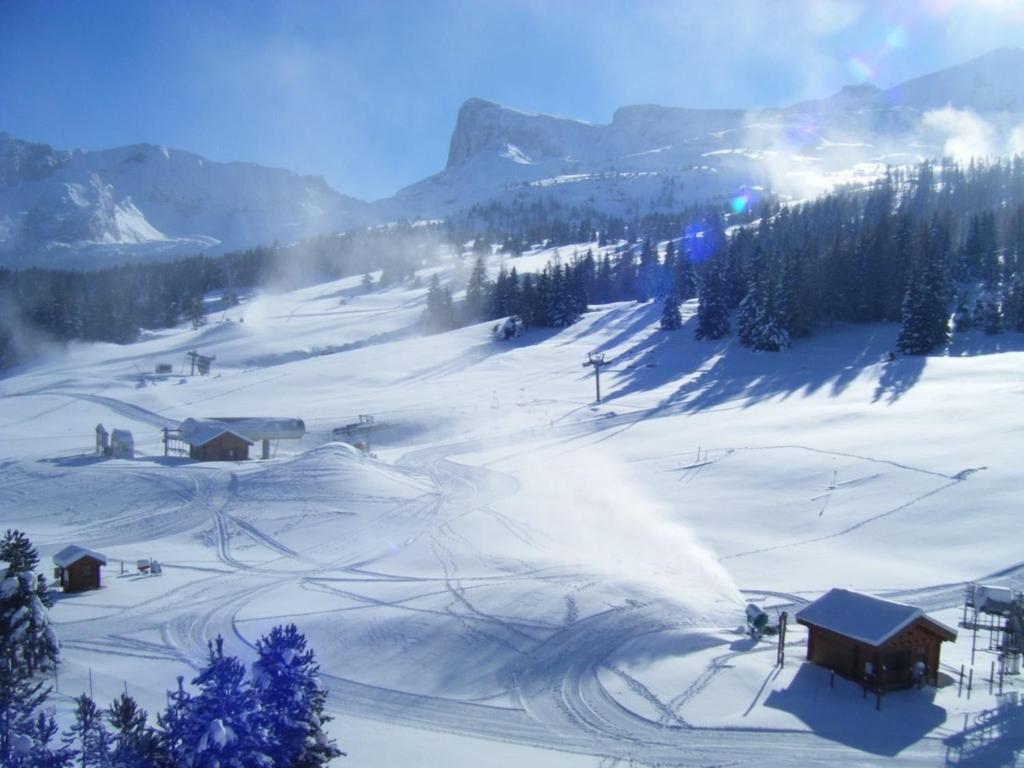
(521,576)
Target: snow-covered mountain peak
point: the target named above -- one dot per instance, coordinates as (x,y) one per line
(989,83)
(91,208)
(485,126)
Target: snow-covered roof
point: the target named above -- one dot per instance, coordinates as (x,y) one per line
(257,428)
(74,553)
(250,429)
(869,619)
(197,433)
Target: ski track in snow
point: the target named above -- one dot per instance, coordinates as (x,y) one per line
(562,704)
(559,700)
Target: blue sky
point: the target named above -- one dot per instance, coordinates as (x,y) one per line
(366,93)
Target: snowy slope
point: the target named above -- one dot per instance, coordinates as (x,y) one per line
(523,576)
(90,208)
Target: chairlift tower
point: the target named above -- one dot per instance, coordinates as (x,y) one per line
(596,361)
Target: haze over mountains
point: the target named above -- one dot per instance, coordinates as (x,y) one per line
(91,208)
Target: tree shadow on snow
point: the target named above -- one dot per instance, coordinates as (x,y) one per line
(842,714)
(898,376)
(974,343)
(722,373)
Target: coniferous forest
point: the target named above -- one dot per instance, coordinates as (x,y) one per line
(937,248)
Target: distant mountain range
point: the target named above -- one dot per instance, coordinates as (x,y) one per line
(93,208)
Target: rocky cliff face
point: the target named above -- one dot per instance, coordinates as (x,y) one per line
(650,157)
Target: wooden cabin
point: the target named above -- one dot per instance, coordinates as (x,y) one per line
(229,438)
(78,568)
(872,640)
(224,446)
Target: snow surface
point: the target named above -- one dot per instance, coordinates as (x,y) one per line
(521,576)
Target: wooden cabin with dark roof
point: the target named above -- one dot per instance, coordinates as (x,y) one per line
(873,640)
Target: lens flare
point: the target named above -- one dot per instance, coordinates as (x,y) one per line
(739,203)
(897,38)
(860,68)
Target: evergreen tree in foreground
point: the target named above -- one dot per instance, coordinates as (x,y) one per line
(133,743)
(223,728)
(173,726)
(292,701)
(20,696)
(35,747)
(89,735)
(27,640)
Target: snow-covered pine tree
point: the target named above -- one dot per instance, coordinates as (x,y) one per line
(133,743)
(914,338)
(173,725)
(713,308)
(20,697)
(625,275)
(476,292)
(292,701)
(925,318)
(992,313)
(1013,305)
(963,317)
(666,270)
(88,735)
(439,315)
(561,299)
(603,287)
(751,316)
(223,728)
(769,335)
(647,276)
(36,746)
(27,639)
(671,319)
(684,279)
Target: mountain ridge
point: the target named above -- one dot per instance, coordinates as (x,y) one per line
(91,207)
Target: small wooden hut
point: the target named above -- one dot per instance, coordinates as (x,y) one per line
(211,441)
(873,640)
(78,568)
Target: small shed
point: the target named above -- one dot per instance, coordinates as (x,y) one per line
(78,568)
(211,441)
(122,444)
(871,639)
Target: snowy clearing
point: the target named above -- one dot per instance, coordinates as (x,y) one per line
(520,573)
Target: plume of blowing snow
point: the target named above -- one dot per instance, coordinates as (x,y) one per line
(966,133)
(594,516)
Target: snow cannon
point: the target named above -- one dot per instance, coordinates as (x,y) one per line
(757,620)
